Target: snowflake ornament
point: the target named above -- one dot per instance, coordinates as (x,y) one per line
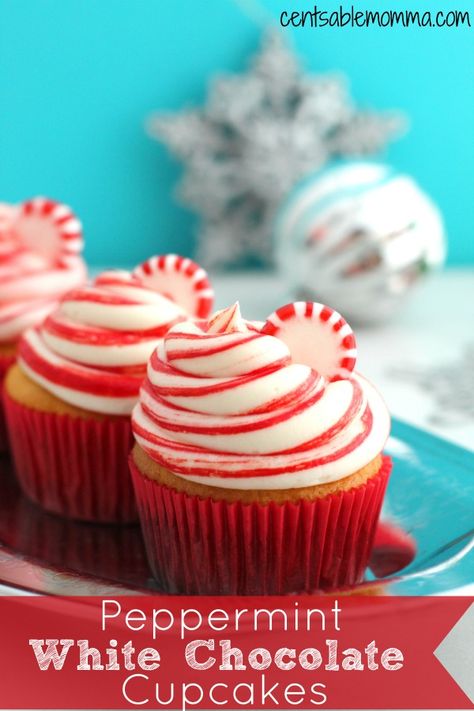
(260,133)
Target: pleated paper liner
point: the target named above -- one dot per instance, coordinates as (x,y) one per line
(202,547)
(73,466)
(5,363)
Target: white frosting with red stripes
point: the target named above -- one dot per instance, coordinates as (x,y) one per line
(40,245)
(225,404)
(93,349)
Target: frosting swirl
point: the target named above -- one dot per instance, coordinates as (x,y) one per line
(33,279)
(225,405)
(92,350)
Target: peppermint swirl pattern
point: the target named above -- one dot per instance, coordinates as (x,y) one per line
(92,351)
(225,405)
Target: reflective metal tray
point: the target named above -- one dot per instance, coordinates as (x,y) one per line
(429,507)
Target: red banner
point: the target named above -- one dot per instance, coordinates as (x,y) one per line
(225,652)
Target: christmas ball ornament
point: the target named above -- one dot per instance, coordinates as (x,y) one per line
(359,237)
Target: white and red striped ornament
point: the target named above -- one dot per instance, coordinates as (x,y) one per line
(316,335)
(360,236)
(179,279)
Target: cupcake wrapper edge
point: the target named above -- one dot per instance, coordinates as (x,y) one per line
(72,466)
(200,546)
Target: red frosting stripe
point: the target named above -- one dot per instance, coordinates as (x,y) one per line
(57,325)
(158,447)
(79,377)
(181,280)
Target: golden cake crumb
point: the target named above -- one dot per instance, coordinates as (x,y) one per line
(28,393)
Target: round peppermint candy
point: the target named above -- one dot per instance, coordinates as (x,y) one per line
(316,335)
(181,280)
(48,228)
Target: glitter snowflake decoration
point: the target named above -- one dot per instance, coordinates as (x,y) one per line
(260,133)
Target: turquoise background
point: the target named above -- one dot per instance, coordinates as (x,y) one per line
(78,78)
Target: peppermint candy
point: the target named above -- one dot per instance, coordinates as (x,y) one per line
(316,335)
(179,279)
(7,218)
(48,228)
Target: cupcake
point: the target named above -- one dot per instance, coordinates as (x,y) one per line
(258,464)
(68,399)
(40,245)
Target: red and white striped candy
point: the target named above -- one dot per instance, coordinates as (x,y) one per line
(49,228)
(7,218)
(181,280)
(316,336)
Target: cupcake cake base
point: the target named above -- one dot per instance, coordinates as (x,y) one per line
(70,461)
(210,540)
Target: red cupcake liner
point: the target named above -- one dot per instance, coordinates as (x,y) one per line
(204,547)
(73,466)
(5,363)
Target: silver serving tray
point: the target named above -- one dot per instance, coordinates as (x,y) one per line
(430,502)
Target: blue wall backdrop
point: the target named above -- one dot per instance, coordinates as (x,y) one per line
(78,78)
